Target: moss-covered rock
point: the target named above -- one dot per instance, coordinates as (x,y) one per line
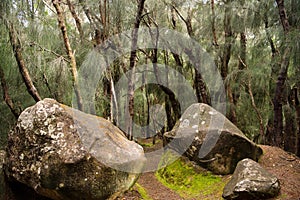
(62,153)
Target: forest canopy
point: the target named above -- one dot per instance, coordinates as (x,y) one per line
(254,45)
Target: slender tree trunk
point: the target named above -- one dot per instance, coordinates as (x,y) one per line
(134,35)
(274,71)
(21,63)
(228,41)
(104,18)
(297,107)
(226,58)
(76,18)
(114,103)
(199,84)
(213,19)
(290,125)
(62,26)
(259,116)
(6,97)
(243,46)
(278,97)
(278,100)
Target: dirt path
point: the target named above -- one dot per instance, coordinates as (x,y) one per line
(286,167)
(155,189)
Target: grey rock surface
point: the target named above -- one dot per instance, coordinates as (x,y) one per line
(251,181)
(62,153)
(207,137)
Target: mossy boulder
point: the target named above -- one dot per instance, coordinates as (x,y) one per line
(62,153)
(207,137)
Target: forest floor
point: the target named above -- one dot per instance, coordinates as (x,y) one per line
(285,166)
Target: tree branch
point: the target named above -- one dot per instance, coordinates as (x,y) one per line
(62,25)
(48,50)
(76,18)
(6,97)
(21,63)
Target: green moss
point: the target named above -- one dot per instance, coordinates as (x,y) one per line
(142,192)
(148,142)
(189,182)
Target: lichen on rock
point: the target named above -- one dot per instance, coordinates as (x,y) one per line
(207,137)
(63,153)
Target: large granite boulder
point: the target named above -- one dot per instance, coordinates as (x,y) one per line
(251,181)
(207,137)
(62,153)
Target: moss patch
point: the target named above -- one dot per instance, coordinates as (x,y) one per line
(191,182)
(146,143)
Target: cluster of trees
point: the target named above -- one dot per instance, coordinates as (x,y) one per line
(254,44)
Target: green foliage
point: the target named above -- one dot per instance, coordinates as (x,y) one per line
(142,192)
(190,183)
(46,59)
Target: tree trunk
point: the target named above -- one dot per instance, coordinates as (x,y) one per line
(76,18)
(278,97)
(213,19)
(130,99)
(290,125)
(274,71)
(199,84)
(226,58)
(62,26)
(21,63)
(297,107)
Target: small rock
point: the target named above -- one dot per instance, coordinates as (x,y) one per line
(251,181)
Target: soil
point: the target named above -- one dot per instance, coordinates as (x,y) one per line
(285,166)
(155,189)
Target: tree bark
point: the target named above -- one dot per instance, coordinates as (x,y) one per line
(243,52)
(62,26)
(283,16)
(76,18)
(199,84)
(274,72)
(130,99)
(278,97)
(297,107)
(21,63)
(213,19)
(226,58)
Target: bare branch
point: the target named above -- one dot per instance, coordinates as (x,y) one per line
(21,63)
(76,18)
(48,6)
(62,25)
(6,96)
(50,51)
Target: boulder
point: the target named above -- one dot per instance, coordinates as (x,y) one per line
(208,138)
(251,181)
(62,153)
